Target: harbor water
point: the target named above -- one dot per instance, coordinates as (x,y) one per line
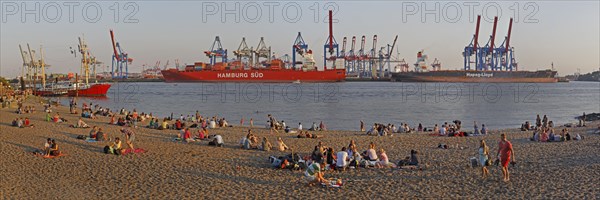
(342,105)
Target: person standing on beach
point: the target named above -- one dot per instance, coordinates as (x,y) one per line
(362,126)
(484,156)
(251,122)
(538,121)
(129,137)
(476,128)
(505,152)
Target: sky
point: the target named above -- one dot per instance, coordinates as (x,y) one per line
(565,33)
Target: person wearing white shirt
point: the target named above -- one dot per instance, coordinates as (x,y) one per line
(443,130)
(300,126)
(342,158)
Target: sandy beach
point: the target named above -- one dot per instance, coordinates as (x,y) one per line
(173,170)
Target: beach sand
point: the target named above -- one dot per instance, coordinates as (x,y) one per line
(173,170)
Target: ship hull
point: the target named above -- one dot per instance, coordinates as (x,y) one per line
(281,76)
(459,76)
(91,91)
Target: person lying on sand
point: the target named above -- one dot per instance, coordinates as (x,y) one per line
(314,173)
(306,134)
(80,124)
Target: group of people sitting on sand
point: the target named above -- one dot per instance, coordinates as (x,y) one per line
(25,109)
(543,131)
(546,134)
(251,141)
(325,158)
(21,122)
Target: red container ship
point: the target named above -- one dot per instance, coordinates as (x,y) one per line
(273,73)
(261,65)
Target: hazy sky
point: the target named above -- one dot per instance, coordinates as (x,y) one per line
(563,32)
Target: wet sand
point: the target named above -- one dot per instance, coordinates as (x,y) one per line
(172,170)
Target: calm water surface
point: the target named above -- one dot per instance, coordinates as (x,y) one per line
(342,105)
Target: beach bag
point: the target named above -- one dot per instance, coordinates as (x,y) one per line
(488,162)
(497,162)
(106,149)
(473,162)
(284,164)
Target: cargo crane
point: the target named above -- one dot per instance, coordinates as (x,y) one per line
(216,52)
(331,46)
(385,55)
(351,58)
(120,59)
(244,53)
(262,51)
(362,59)
(470,54)
(436,65)
(299,48)
(504,54)
(373,58)
(26,70)
(342,54)
(489,54)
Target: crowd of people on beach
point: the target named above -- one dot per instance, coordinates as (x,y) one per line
(543,131)
(195,128)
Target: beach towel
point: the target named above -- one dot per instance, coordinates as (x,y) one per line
(136,151)
(89,139)
(333,183)
(49,156)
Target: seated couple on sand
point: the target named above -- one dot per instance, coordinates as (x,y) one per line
(97,134)
(50,149)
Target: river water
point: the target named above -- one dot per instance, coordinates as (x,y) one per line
(342,105)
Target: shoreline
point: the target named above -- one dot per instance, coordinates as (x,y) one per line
(178,170)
